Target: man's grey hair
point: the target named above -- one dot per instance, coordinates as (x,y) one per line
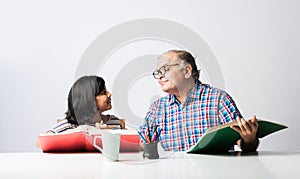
(187,58)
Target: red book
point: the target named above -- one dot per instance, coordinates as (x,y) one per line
(83,142)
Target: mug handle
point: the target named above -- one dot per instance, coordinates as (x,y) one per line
(95,144)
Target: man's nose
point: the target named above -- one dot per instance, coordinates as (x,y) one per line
(160,76)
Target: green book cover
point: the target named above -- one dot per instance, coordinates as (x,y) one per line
(221,138)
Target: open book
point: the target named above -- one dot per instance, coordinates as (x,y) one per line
(81,141)
(221,138)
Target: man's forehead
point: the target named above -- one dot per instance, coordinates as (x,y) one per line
(167,58)
(169,55)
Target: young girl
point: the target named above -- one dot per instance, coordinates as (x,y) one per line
(87,100)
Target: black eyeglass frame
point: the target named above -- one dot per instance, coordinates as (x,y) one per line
(162,70)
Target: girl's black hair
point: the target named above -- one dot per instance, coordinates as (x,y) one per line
(82,105)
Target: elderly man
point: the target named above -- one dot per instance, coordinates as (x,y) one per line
(190,107)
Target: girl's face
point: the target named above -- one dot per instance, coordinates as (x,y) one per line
(103,100)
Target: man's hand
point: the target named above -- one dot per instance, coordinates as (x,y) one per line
(247,130)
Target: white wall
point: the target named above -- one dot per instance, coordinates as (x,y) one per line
(256,44)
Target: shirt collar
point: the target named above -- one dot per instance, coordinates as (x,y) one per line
(191,96)
(172,99)
(193,93)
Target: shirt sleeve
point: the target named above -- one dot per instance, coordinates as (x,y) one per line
(228,110)
(149,122)
(61,126)
(114,122)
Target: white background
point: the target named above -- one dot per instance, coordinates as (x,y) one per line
(41,42)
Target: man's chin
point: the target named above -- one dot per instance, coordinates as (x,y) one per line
(165,89)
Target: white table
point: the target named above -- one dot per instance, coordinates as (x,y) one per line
(264,164)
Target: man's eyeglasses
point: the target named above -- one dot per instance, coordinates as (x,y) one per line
(162,70)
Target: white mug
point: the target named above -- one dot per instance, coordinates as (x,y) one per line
(110,144)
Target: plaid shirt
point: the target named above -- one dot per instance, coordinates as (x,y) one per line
(182,125)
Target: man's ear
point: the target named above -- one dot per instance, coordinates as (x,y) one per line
(188,71)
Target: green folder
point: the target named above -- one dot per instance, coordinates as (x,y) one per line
(221,138)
